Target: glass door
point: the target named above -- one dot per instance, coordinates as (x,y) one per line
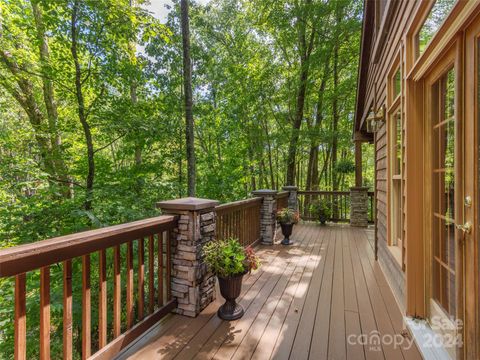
(443,198)
(471,183)
(444,170)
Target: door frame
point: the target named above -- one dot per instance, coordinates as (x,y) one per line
(459,29)
(452,57)
(472,155)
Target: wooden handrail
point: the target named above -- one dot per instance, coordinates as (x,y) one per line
(323,192)
(282,200)
(240,219)
(282,194)
(151,236)
(339,204)
(237,204)
(23,258)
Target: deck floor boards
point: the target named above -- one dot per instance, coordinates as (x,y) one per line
(305,302)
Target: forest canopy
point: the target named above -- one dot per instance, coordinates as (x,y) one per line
(92,129)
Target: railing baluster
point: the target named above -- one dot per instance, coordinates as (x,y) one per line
(240,219)
(168,267)
(141,277)
(160,269)
(117,292)
(67,310)
(20,351)
(45,313)
(86,308)
(151,277)
(129,298)
(65,252)
(102,300)
(231,225)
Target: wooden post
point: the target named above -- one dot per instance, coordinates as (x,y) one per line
(358,163)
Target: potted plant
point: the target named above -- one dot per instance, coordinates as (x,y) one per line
(321,210)
(230,261)
(287,218)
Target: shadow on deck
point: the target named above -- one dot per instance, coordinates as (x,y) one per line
(310,300)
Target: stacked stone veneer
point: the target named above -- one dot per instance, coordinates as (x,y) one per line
(268,211)
(359,206)
(192,285)
(292,197)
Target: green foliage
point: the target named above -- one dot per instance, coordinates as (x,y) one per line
(227,258)
(345,166)
(287,216)
(321,210)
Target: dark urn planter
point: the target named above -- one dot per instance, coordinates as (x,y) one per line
(323,219)
(286,231)
(230,288)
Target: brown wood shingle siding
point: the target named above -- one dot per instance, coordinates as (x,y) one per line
(375,84)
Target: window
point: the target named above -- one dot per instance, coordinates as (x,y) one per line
(438,13)
(395,164)
(396,84)
(443,114)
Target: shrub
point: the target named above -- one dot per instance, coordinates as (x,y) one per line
(287,216)
(228,258)
(320,209)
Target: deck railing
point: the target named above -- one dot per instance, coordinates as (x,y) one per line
(240,219)
(116,249)
(338,203)
(282,200)
(371,207)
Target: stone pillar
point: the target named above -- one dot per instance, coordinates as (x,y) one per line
(267,215)
(192,284)
(359,206)
(292,197)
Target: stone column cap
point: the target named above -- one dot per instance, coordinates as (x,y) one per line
(290,187)
(264,192)
(187,203)
(359,188)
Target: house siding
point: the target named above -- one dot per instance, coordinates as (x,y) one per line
(376,95)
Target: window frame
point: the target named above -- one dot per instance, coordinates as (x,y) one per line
(395,182)
(425,12)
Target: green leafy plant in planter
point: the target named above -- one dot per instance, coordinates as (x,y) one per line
(320,209)
(230,261)
(287,218)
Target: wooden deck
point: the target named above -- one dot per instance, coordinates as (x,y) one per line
(305,302)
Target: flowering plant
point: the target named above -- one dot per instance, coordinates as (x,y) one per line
(252,261)
(228,257)
(288,216)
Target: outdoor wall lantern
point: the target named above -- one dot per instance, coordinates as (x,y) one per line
(375,119)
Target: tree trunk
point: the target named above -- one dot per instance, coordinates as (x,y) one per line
(134,100)
(61,170)
(335,112)
(82,116)
(305,51)
(335,119)
(187,80)
(312,168)
(270,160)
(23,93)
